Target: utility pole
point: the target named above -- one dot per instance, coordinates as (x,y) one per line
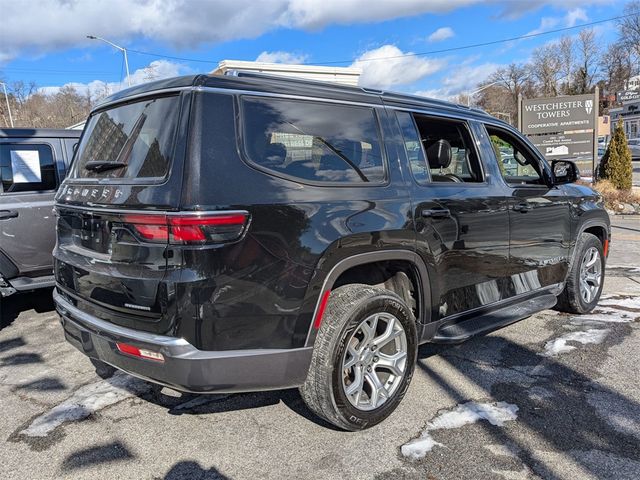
(122,49)
(6,97)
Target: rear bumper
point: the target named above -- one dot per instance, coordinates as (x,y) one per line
(185,367)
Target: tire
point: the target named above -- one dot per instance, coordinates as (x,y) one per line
(572,299)
(103,370)
(351,310)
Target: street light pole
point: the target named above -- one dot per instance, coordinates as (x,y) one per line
(6,97)
(122,49)
(471,94)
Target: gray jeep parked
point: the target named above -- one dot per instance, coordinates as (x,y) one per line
(33,162)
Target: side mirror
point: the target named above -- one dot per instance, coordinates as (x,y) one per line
(564,171)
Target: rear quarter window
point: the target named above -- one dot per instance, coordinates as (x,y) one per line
(129,142)
(313,142)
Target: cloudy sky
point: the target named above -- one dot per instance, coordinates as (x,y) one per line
(45,40)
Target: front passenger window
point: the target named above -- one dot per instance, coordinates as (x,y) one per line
(516,164)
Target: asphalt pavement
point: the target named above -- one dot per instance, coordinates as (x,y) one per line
(553,396)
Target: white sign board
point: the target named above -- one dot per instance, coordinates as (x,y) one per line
(26,166)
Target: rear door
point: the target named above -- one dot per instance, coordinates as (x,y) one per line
(461,217)
(28,170)
(112,244)
(539,215)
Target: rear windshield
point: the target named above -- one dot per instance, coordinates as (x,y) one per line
(131,141)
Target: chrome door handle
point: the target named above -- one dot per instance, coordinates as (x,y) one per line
(436,213)
(522,207)
(7,214)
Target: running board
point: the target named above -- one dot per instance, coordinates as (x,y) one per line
(461,331)
(24,284)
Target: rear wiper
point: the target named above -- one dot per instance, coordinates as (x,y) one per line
(102,166)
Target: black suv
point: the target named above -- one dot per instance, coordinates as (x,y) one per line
(249,232)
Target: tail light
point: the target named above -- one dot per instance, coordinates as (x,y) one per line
(189,229)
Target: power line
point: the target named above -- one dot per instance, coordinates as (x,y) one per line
(418,54)
(484,44)
(150,54)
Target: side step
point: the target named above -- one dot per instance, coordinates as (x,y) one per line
(461,331)
(23,284)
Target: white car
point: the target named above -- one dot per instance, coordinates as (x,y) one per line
(634,148)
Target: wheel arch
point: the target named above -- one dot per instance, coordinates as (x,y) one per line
(595,226)
(340,271)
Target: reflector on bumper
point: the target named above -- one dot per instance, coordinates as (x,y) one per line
(139,352)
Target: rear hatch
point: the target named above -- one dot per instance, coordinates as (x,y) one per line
(112,253)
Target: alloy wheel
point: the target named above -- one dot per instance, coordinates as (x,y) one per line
(375,361)
(590,274)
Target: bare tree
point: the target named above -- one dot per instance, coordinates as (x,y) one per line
(545,68)
(566,59)
(629,26)
(510,82)
(616,67)
(588,53)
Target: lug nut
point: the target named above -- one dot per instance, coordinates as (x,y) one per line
(373,347)
(369,368)
(375,359)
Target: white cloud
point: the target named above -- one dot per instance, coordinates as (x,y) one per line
(311,14)
(575,15)
(441,34)
(516,9)
(397,70)
(156,70)
(282,57)
(461,79)
(570,19)
(189,23)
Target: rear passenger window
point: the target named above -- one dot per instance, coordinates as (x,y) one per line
(446,149)
(27,168)
(313,141)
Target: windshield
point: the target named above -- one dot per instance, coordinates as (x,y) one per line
(129,141)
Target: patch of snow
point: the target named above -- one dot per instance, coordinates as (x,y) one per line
(86,401)
(559,345)
(496,413)
(419,447)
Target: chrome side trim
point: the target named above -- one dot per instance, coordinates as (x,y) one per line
(254,93)
(98,209)
(504,302)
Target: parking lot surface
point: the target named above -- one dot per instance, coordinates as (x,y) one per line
(553,396)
